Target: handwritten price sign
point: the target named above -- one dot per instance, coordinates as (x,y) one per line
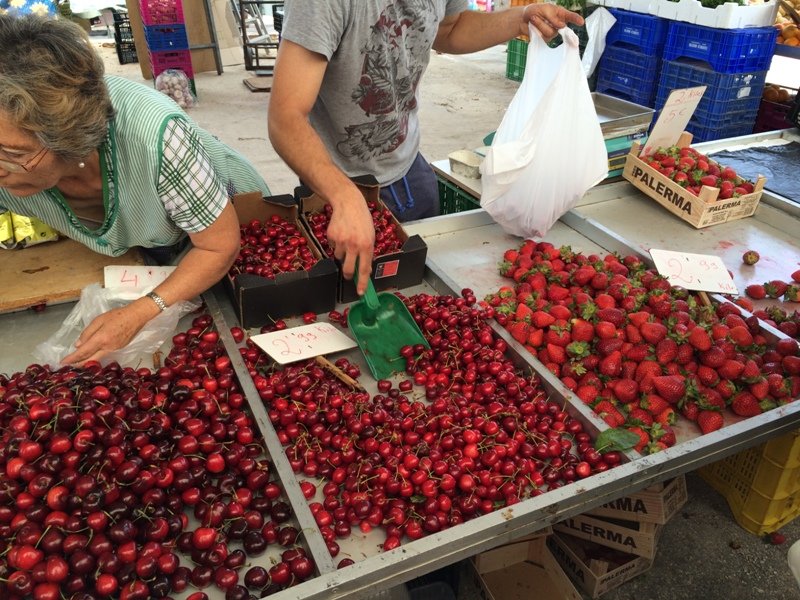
(700,272)
(306,341)
(135,277)
(674,117)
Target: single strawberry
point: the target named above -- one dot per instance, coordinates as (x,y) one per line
(582,331)
(775,288)
(542,319)
(778,385)
(644,438)
(759,389)
(510,256)
(611,365)
(792,293)
(639,318)
(666,351)
(745,404)
(709,420)
(613,315)
(791,364)
(639,416)
(796,276)
(700,339)
(707,376)
(625,390)
(730,369)
(558,334)
(654,404)
(577,349)
(685,355)
(520,330)
(587,393)
(740,336)
(606,347)
(690,410)
(609,413)
(787,347)
(755,291)
(648,368)
(653,332)
(632,334)
(523,313)
(668,416)
(670,387)
(557,292)
(638,352)
(557,354)
(561,313)
(535,337)
(606,330)
(726,389)
(750,257)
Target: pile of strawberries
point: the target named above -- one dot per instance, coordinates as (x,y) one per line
(637,350)
(776,289)
(692,170)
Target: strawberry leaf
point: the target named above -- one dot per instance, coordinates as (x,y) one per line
(616,439)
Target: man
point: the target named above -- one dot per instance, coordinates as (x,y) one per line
(344,100)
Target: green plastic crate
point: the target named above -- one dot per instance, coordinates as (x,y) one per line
(453,199)
(516,55)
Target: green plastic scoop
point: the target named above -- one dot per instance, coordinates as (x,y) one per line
(382,325)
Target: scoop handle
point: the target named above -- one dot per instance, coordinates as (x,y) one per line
(370,296)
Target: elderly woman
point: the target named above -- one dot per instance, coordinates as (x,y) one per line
(114,165)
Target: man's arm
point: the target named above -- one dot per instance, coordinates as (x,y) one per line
(296,83)
(470,31)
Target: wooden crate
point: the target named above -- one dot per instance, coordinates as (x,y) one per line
(656,504)
(700,211)
(632,537)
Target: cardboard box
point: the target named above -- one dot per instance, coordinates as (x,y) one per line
(391,271)
(521,571)
(656,504)
(700,211)
(592,568)
(258,300)
(632,537)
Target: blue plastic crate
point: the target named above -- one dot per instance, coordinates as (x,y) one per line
(645,33)
(629,73)
(732,126)
(726,50)
(720,87)
(626,87)
(166,38)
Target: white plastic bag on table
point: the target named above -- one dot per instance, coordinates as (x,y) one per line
(598,24)
(96,300)
(549,148)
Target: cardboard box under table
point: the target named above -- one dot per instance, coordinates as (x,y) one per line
(700,211)
(521,571)
(397,270)
(633,537)
(258,300)
(593,568)
(656,504)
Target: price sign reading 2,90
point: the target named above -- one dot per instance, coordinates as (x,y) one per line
(701,272)
(306,341)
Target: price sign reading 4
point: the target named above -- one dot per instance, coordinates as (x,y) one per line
(699,272)
(298,343)
(134,277)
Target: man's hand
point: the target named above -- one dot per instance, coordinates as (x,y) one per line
(107,332)
(548,19)
(351,234)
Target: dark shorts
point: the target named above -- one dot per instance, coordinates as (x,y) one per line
(416,195)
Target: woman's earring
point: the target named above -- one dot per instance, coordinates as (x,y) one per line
(81,165)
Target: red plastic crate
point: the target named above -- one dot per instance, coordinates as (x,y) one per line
(773,115)
(179,59)
(161,12)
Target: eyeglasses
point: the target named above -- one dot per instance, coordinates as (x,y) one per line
(27,167)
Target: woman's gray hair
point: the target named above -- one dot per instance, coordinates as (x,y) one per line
(51,84)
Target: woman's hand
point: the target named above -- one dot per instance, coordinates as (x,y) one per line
(108,332)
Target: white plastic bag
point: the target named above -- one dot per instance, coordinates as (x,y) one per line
(549,148)
(96,300)
(598,24)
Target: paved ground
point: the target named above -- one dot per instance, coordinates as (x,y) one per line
(703,553)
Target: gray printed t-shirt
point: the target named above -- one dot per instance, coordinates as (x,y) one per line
(377,51)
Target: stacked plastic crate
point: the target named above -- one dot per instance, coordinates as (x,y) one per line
(165,33)
(631,61)
(731,63)
(123,39)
